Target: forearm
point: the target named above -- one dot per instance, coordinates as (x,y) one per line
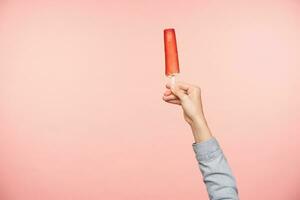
(217,175)
(200,129)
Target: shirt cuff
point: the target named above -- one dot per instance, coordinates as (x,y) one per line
(207,150)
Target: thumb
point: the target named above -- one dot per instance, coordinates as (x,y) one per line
(178,92)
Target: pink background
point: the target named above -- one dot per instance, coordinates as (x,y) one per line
(81,109)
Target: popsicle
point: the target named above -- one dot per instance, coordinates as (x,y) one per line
(171,54)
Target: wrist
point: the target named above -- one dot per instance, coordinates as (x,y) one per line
(201,131)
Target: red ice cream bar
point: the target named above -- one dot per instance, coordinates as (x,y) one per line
(171,55)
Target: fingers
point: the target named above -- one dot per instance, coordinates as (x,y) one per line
(170,97)
(178,92)
(168,92)
(180,89)
(182,85)
(177,102)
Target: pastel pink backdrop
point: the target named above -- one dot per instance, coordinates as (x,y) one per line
(81,85)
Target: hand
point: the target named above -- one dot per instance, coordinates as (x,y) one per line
(189,97)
